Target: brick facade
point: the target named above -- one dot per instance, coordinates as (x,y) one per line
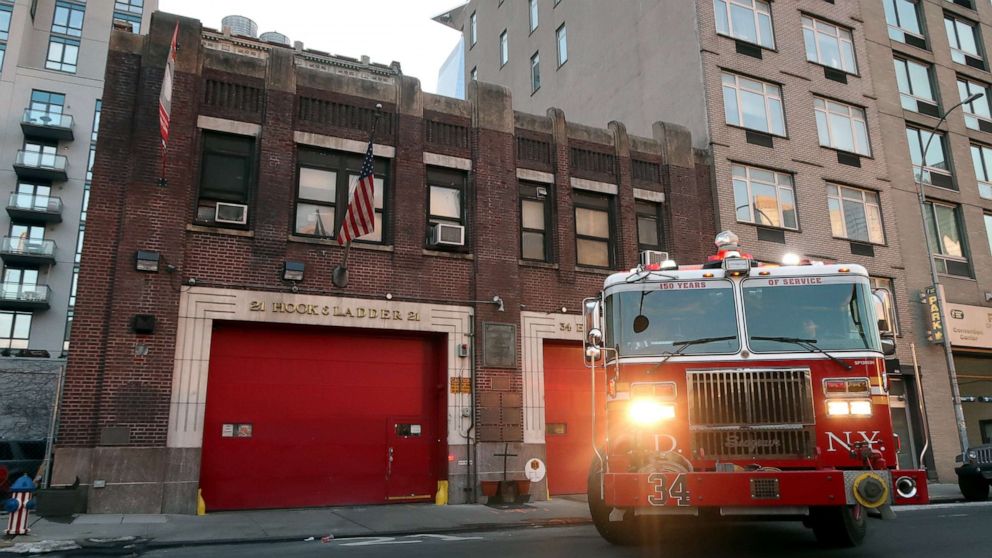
(118,398)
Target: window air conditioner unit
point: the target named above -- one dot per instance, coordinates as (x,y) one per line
(444,234)
(231,213)
(649,257)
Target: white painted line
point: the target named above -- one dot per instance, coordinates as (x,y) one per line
(925,507)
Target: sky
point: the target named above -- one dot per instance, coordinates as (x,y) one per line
(385,30)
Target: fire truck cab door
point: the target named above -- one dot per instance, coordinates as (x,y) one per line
(409,463)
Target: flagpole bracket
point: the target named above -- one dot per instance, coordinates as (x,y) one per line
(340,276)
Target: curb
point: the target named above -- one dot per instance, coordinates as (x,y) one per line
(153,544)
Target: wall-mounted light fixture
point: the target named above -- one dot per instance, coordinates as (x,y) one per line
(146,260)
(292,271)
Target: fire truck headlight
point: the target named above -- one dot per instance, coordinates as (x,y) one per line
(838,408)
(861,408)
(646,412)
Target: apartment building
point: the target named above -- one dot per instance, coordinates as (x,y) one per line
(52,58)
(816,114)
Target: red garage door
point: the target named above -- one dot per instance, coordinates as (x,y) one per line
(568,416)
(311,416)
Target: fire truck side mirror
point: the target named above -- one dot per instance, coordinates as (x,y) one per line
(884,311)
(593,341)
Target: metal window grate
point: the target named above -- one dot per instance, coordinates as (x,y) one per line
(764,489)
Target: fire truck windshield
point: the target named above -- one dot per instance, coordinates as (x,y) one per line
(834,313)
(657,319)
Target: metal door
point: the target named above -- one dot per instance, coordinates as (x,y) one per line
(410,454)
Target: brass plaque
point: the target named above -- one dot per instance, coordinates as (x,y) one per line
(500,345)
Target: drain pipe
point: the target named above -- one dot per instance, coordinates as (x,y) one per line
(473,465)
(923,406)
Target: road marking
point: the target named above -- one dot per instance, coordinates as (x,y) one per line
(408,539)
(924,507)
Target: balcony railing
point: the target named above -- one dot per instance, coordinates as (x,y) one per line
(42,166)
(35,208)
(44,124)
(15,250)
(17,296)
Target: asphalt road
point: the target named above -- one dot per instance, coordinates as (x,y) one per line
(944,531)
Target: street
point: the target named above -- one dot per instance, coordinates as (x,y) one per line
(941,530)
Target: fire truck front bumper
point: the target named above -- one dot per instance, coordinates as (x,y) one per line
(673,493)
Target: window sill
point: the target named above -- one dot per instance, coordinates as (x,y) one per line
(220,230)
(358,245)
(453,255)
(771,227)
(595,270)
(825,67)
(733,38)
(534,263)
(846,152)
(865,242)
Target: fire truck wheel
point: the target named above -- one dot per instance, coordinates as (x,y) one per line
(839,526)
(974,488)
(630,531)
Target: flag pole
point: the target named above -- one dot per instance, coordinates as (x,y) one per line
(339,277)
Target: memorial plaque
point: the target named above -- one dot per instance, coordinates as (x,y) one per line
(500,345)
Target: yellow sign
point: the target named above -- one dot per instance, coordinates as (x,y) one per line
(935,334)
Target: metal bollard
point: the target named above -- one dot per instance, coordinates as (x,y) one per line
(19,504)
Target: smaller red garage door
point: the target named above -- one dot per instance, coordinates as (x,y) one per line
(313,416)
(568,416)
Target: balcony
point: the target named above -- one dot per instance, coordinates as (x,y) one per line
(16,296)
(31,208)
(27,251)
(32,165)
(47,125)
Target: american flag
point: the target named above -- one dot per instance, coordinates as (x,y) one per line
(359,220)
(165,98)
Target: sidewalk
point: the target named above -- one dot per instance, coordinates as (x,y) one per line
(341,522)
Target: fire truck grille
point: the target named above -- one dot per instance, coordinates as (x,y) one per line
(751,412)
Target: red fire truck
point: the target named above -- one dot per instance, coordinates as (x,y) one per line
(735,389)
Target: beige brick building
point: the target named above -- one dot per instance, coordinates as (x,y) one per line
(800,105)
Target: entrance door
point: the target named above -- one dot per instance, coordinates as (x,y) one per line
(409,459)
(568,416)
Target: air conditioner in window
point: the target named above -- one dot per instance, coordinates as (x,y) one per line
(231,213)
(649,257)
(444,234)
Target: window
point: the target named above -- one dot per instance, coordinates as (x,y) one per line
(504,49)
(472,30)
(988,230)
(25,233)
(535,72)
(475,74)
(89,162)
(36,197)
(533,14)
(15,328)
(446,201)
(903,17)
(855,214)
(981,157)
(841,126)
(79,242)
(62,54)
(74,286)
(5,14)
(535,215)
(41,154)
(96,119)
(829,45)
(978,113)
(934,168)
(764,197)
(562,40)
(594,245)
(131,20)
(915,87)
(963,39)
(747,20)
(945,235)
(20,284)
(133,6)
(225,175)
(753,104)
(889,285)
(649,236)
(46,106)
(325,184)
(68,19)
